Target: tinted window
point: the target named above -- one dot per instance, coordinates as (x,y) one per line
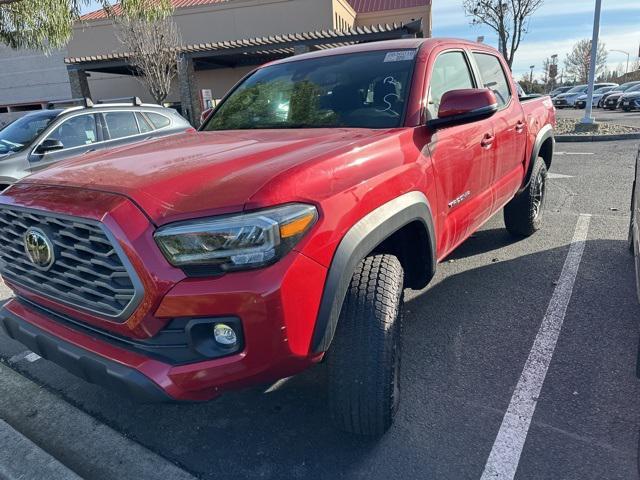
(77,131)
(143,123)
(121,124)
(19,134)
(159,121)
(450,72)
(367,90)
(493,77)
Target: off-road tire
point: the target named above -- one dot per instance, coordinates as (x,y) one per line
(364,358)
(523,215)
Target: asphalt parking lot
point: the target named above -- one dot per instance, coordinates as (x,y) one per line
(467,338)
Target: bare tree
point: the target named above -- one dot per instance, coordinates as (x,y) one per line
(152,48)
(578,62)
(508,18)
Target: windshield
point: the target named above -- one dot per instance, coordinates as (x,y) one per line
(603,90)
(20,134)
(626,86)
(578,89)
(367,90)
(634,88)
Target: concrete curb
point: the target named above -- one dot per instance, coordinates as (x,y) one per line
(84,445)
(22,459)
(597,138)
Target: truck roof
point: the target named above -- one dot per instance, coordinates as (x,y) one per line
(403,43)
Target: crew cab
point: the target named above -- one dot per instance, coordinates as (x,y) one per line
(281,234)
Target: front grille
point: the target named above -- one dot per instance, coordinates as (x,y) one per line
(90,271)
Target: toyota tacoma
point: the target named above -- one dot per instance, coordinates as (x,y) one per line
(282,233)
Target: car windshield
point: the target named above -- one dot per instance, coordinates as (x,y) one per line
(367,90)
(18,135)
(578,89)
(634,88)
(603,90)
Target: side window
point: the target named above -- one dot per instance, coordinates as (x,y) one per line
(121,124)
(77,131)
(143,123)
(159,121)
(493,77)
(450,72)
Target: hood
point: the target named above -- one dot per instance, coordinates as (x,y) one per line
(199,173)
(615,95)
(631,95)
(569,95)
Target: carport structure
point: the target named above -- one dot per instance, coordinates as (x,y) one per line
(233,54)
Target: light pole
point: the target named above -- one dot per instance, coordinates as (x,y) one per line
(588,119)
(531,78)
(627,54)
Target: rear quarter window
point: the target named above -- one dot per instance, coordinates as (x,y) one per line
(158,120)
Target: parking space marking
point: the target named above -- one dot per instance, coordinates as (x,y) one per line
(505,454)
(573,153)
(27,355)
(558,175)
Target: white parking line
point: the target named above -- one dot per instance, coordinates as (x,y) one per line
(505,455)
(27,355)
(573,153)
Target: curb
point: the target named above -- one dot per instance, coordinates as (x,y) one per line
(72,437)
(597,138)
(20,458)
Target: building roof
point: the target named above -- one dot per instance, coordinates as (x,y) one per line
(275,46)
(368,6)
(360,6)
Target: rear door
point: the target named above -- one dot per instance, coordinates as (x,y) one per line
(79,134)
(462,155)
(509,128)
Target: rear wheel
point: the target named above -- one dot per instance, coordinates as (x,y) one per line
(523,214)
(364,359)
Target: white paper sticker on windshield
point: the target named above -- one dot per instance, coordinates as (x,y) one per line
(401,56)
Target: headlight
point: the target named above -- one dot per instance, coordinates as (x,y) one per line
(242,241)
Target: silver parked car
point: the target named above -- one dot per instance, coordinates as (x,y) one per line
(41,138)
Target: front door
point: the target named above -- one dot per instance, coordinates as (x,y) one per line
(462,157)
(78,135)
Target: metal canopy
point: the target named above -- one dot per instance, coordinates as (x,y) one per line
(253,51)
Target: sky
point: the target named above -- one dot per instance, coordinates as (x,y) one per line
(554,28)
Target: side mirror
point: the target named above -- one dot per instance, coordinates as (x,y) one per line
(49,145)
(464,106)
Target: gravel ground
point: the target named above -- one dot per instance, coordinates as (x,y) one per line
(566,126)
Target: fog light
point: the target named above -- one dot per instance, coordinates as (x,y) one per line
(224,334)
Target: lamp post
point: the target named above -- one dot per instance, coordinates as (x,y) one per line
(531,78)
(627,54)
(588,119)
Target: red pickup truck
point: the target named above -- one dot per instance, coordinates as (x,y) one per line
(283,233)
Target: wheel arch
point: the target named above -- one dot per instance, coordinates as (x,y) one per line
(402,227)
(543,146)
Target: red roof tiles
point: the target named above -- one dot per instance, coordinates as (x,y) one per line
(367,6)
(360,6)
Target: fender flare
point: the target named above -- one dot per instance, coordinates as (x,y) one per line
(544,134)
(357,243)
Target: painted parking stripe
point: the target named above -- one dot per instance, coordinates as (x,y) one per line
(573,153)
(27,355)
(505,455)
(558,175)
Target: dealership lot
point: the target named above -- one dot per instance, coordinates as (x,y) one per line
(466,341)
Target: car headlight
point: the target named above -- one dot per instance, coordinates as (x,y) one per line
(236,242)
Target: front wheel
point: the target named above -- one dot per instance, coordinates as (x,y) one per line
(364,359)
(523,214)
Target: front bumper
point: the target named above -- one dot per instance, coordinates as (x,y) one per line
(277,307)
(83,363)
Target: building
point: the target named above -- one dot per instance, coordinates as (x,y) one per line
(223,40)
(28,79)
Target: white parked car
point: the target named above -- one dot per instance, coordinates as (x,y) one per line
(581,102)
(569,98)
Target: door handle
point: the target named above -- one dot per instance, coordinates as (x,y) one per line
(520,126)
(487,140)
